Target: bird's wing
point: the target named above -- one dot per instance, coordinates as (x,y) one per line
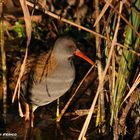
(36,67)
(45,64)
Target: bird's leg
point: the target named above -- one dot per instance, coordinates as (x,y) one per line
(32,118)
(26,119)
(27,112)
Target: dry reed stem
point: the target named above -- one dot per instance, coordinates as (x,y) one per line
(101,113)
(28,33)
(102,13)
(87,121)
(135,84)
(99,65)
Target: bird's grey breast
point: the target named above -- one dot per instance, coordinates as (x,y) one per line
(53,85)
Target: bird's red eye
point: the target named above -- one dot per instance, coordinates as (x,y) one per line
(72,47)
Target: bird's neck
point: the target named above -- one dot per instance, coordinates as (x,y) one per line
(60,54)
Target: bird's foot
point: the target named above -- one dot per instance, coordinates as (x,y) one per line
(27,116)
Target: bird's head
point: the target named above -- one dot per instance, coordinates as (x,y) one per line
(65,47)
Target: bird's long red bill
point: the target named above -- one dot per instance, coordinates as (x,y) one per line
(83,56)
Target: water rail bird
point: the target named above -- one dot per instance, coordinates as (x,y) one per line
(49,75)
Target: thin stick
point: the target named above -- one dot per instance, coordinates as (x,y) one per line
(102,13)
